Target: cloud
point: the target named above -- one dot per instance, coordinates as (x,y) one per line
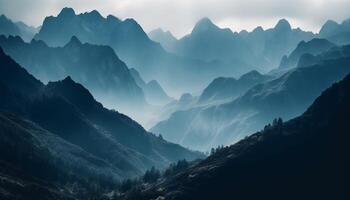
(179,16)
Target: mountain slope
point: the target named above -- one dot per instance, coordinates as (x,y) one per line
(154,93)
(337,33)
(210,43)
(286,97)
(276,42)
(177,74)
(7,27)
(69,111)
(229,88)
(35,163)
(97,67)
(304,158)
(313,47)
(166,39)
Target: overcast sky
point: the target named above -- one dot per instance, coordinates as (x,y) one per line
(179,16)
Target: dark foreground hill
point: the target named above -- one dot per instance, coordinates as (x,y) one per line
(304,158)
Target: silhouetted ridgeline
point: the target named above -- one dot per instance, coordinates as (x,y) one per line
(286,96)
(233,91)
(65,142)
(304,158)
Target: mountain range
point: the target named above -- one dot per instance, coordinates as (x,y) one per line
(336,33)
(165,38)
(287,96)
(206,53)
(303,158)
(312,47)
(259,49)
(95,66)
(128,40)
(227,88)
(61,130)
(231,115)
(8,27)
(154,93)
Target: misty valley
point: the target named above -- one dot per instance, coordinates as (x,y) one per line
(94,107)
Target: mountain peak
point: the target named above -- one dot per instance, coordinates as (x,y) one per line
(254,74)
(74,41)
(185,97)
(68,79)
(112,18)
(328,28)
(38,43)
(258,29)
(158,30)
(3,17)
(67,12)
(205,21)
(283,24)
(204,24)
(130,22)
(94,15)
(330,22)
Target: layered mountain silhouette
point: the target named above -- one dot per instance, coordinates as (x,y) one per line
(313,47)
(208,52)
(126,37)
(226,89)
(154,93)
(275,42)
(287,96)
(165,38)
(304,158)
(8,27)
(95,66)
(259,49)
(337,33)
(210,43)
(64,130)
(132,45)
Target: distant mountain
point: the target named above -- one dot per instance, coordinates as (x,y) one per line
(185,102)
(286,97)
(165,38)
(332,54)
(276,42)
(259,49)
(176,74)
(210,43)
(225,89)
(27,32)
(304,158)
(206,53)
(126,37)
(154,93)
(116,145)
(313,47)
(336,33)
(7,27)
(95,66)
